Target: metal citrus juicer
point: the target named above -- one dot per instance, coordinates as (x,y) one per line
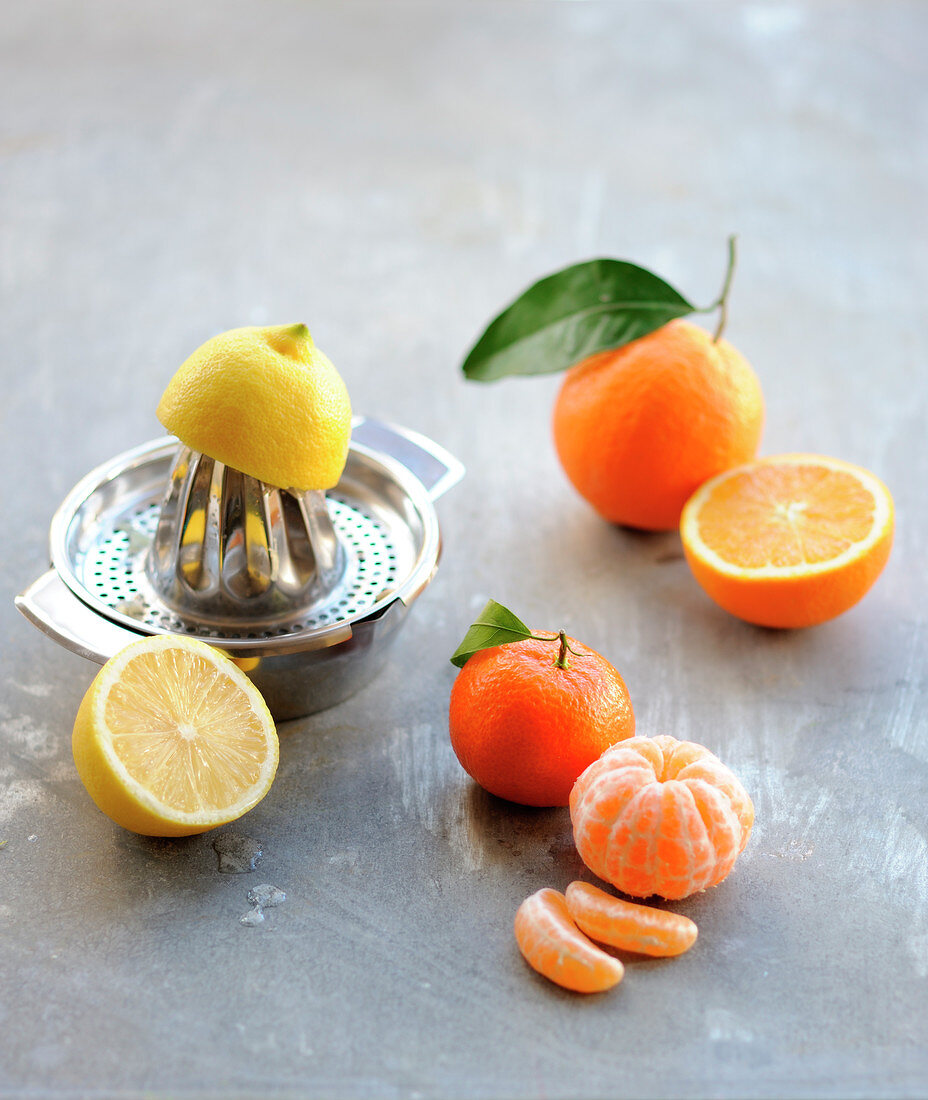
(305,590)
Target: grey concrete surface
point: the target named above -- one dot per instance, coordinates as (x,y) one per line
(393,174)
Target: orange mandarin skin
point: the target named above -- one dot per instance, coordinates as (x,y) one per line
(524,729)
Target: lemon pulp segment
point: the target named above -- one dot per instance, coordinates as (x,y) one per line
(172,738)
(184,731)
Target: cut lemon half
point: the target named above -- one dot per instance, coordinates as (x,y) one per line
(173,739)
(265,401)
(788,541)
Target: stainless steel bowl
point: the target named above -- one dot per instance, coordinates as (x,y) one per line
(98,594)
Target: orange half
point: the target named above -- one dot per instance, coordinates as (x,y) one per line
(788,541)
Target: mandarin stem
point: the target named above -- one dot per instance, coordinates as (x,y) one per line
(562,661)
(722,301)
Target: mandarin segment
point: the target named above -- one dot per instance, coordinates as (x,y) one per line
(628,925)
(646,823)
(715,777)
(553,945)
(789,541)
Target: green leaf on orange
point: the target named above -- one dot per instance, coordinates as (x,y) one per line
(572,314)
(495,625)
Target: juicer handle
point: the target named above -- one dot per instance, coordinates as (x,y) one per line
(57,612)
(431,464)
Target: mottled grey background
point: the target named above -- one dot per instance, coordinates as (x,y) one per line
(393,174)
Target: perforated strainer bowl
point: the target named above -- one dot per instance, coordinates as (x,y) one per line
(98,596)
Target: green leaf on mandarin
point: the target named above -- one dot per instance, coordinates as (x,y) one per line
(495,625)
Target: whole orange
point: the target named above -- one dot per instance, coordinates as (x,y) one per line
(524,728)
(640,428)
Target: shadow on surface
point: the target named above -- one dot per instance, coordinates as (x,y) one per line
(524,837)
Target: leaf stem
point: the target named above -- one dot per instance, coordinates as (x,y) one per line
(722,301)
(565,646)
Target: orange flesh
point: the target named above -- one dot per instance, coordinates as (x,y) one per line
(786,515)
(185,733)
(628,926)
(552,944)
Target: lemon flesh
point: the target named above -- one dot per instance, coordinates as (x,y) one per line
(173,739)
(265,401)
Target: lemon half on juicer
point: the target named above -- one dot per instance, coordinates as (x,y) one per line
(265,401)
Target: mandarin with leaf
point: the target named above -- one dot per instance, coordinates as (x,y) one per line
(526,717)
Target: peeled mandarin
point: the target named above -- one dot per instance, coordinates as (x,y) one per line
(655,815)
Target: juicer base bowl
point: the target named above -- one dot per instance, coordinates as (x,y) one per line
(95,599)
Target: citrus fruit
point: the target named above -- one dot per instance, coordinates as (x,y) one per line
(638,428)
(552,944)
(527,717)
(172,739)
(265,401)
(655,815)
(788,541)
(626,925)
